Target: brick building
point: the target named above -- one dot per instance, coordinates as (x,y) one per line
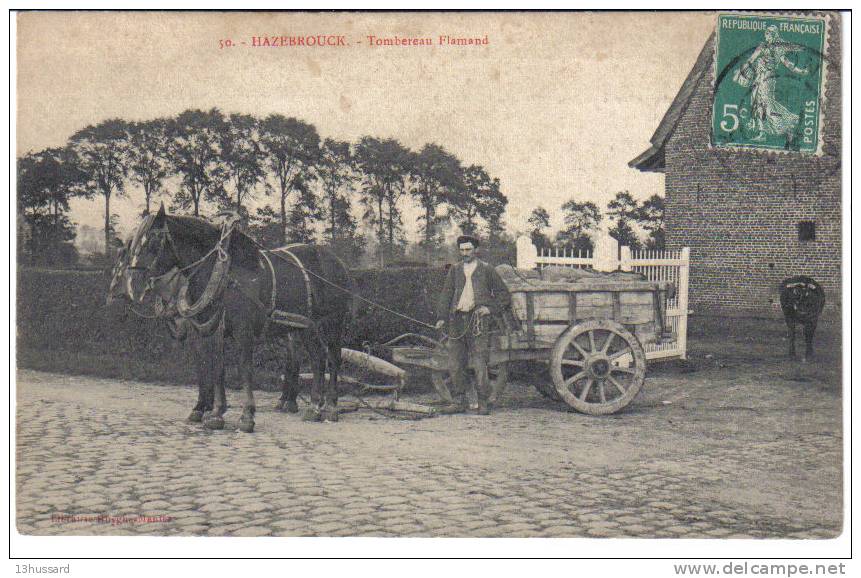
(751,218)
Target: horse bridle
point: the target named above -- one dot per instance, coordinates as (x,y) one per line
(155,282)
(165,240)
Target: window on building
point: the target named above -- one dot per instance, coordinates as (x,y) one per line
(806,231)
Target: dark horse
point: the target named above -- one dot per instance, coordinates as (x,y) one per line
(802,300)
(220,283)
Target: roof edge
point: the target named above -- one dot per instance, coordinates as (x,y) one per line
(652,160)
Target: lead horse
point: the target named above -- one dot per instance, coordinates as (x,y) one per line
(220,283)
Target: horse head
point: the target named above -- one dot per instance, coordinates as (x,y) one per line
(119,274)
(149,257)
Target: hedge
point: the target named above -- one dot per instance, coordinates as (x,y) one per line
(62,320)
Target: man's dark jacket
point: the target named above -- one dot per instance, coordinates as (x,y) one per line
(488,289)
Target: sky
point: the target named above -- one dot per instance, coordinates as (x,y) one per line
(554,105)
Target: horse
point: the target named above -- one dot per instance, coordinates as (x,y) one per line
(221,284)
(802,300)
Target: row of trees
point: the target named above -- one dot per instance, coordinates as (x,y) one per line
(582,220)
(201,160)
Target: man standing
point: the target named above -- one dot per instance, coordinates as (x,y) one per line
(473,293)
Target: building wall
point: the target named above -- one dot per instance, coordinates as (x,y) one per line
(738,211)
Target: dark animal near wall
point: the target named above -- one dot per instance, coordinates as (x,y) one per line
(219,283)
(802,300)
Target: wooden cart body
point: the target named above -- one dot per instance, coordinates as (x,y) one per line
(595,317)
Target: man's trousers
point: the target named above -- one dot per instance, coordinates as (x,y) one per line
(466,349)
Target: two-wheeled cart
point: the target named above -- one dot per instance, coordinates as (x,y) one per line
(590,331)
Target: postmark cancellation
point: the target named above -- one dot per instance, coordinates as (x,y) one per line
(769,82)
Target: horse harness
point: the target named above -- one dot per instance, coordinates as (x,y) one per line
(286,318)
(175,283)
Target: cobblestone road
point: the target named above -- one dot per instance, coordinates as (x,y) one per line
(693,457)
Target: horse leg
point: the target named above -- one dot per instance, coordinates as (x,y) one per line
(204,384)
(330,401)
(290,379)
(246,375)
(809,330)
(318,363)
(213,346)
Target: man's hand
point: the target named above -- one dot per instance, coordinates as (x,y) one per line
(483,310)
(439,324)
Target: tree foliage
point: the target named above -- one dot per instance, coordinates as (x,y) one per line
(337,175)
(304,212)
(292,150)
(148,163)
(242,159)
(437,177)
(480,199)
(651,218)
(204,160)
(194,144)
(383,165)
(101,155)
(579,220)
(46,182)
(623,210)
(539,219)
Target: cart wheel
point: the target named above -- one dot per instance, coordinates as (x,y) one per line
(598,366)
(498,380)
(547,390)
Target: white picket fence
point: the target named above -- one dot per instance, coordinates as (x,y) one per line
(673,266)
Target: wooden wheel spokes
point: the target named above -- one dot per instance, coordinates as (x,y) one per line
(598,366)
(579,349)
(610,337)
(616,384)
(586,389)
(575,378)
(596,390)
(590,389)
(597,342)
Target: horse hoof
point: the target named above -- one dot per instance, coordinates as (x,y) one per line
(195,416)
(311,414)
(291,407)
(214,422)
(246,425)
(329,415)
(279,407)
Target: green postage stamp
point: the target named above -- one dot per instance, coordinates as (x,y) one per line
(769,82)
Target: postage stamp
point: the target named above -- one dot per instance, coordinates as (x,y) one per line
(769,82)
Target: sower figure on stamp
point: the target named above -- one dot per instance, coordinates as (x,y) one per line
(473,295)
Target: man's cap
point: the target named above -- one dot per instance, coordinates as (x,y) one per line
(468,239)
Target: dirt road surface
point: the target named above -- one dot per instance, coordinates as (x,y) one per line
(730,445)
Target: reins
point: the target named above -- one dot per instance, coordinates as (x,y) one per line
(223,257)
(343,289)
(175,309)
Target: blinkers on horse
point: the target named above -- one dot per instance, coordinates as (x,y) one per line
(216,281)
